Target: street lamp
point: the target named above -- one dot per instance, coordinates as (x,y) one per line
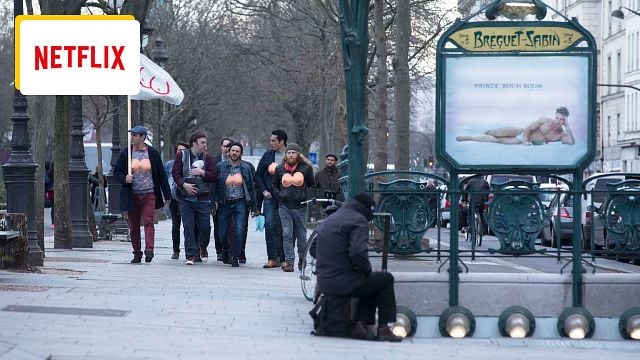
(20,170)
(617,13)
(78,186)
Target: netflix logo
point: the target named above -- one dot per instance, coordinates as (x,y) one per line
(77,55)
(58,56)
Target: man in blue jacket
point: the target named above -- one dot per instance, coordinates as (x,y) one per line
(264,184)
(343,266)
(235,193)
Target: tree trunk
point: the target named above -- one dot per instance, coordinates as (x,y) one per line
(62,236)
(402,88)
(380,130)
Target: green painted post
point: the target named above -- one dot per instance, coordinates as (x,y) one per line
(577,240)
(454,267)
(355,40)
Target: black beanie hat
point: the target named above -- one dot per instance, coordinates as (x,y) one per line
(366,200)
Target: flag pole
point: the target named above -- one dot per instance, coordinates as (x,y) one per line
(128,135)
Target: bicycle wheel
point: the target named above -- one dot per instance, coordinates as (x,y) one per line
(478,229)
(308,276)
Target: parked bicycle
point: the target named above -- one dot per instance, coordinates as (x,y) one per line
(308,279)
(474,232)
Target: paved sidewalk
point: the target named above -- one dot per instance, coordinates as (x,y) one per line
(93,304)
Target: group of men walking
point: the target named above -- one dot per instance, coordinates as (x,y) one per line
(198,186)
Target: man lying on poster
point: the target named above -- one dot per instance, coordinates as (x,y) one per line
(539,132)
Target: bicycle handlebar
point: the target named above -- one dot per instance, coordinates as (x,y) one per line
(332,201)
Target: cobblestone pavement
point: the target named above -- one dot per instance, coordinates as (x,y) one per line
(93,304)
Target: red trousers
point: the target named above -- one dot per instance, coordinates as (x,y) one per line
(143,209)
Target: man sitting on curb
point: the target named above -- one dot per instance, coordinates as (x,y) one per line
(343,267)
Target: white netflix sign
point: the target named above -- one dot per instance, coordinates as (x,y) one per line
(77,55)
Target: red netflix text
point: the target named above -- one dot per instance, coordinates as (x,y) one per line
(72,56)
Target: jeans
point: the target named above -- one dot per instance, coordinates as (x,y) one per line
(143,209)
(174,209)
(273,230)
(238,211)
(293,227)
(195,220)
(376,293)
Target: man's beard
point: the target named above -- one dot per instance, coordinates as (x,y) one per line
(292,162)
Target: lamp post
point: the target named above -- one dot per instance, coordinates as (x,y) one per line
(20,170)
(618,13)
(354,37)
(160,57)
(78,175)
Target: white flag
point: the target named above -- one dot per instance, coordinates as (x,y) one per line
(156,83)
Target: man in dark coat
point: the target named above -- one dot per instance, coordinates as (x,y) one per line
(194,173)
(290,183)
(343,266)
(143,190)
(327,178)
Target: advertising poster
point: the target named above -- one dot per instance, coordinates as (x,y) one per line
(517,111)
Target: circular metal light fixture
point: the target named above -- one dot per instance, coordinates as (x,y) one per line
(516,322)
(629,324)
(457,322)
(576,323)
(406,322)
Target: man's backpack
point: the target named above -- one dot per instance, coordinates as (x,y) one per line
(332,316)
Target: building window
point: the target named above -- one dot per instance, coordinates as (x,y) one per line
(618,128)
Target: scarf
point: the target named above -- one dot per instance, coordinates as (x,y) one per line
(290,168)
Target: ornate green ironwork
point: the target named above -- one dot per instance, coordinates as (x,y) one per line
(620,215)
(408,203)
(516,216)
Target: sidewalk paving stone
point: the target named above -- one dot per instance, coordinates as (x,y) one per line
(207,311)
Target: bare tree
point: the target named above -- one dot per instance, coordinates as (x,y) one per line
(380,130)
(402,86)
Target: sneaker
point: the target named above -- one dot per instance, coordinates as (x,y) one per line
(243,260)
(148,258)
(137,259)
(219,257)
(225,258)
(175,256)
(204,254)
(191,260)
(288,267)
(385,334)
(235,262)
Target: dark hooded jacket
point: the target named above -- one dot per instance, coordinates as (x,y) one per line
(292,196)
(160,181)
(341,249)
